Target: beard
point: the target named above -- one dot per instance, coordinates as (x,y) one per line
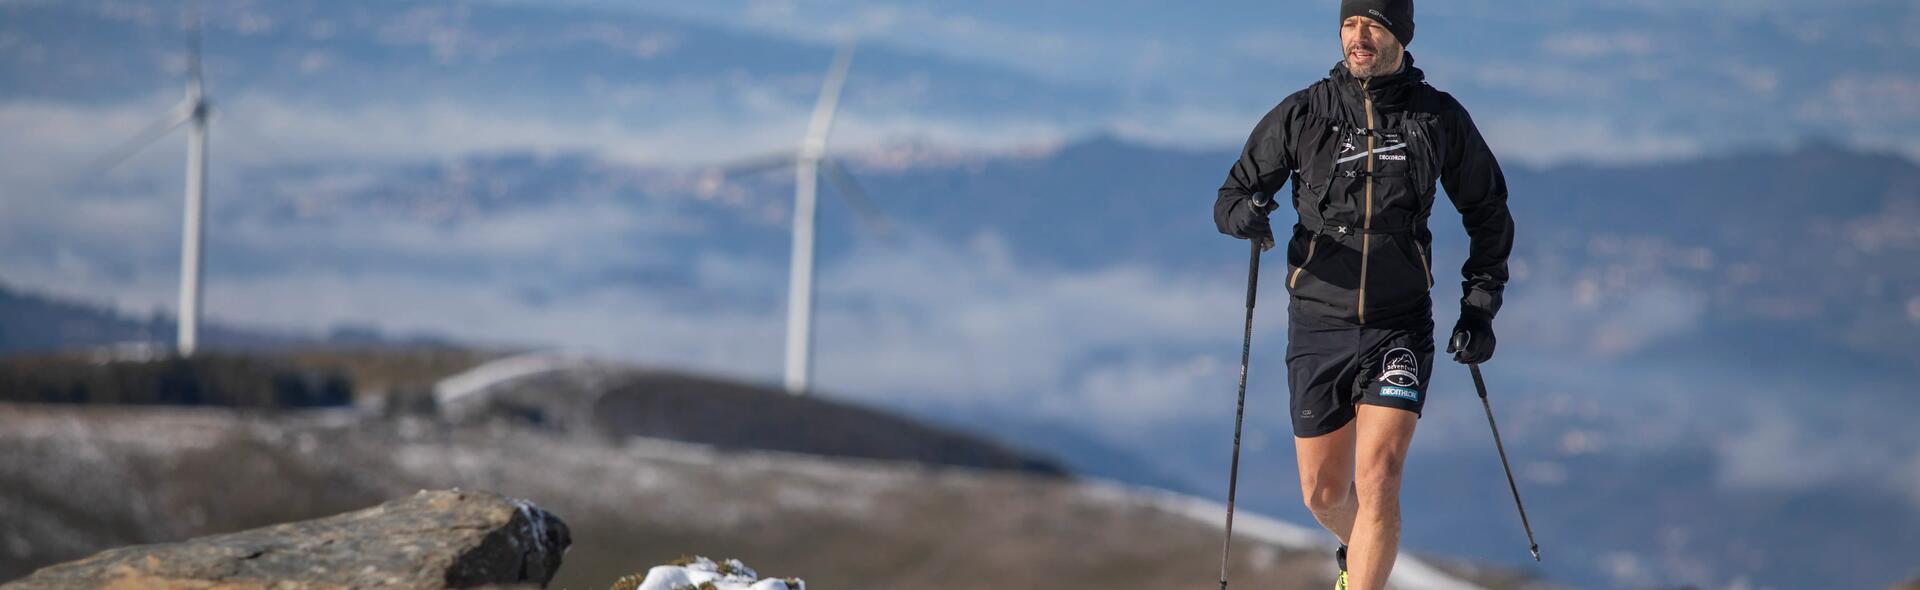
(1385,62)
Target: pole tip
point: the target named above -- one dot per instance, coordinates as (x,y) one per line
(1536,552)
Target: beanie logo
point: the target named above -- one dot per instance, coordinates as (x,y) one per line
(1383,18)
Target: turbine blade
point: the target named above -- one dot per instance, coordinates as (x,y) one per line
(856,197)
(754,165)
(710,181)
(139,141)
(195,33)
(823,111)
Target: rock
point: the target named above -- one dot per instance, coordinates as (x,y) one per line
(431,540)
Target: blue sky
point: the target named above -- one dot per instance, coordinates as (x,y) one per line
(1553,80)
(708,81)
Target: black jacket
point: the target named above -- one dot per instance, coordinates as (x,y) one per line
(1364,158)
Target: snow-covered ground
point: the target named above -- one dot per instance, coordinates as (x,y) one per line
(729,575)
(179,472)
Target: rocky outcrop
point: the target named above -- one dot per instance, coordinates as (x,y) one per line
(431,540)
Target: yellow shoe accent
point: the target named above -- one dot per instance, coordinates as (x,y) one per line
(1341,582)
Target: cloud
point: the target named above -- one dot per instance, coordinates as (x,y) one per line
(1575,316)
(1146,391)
(1779,446)
(1543,140)
(1589,45)
(969,35)
(974,324)
(1188,126)
(1862,100)
(58,145)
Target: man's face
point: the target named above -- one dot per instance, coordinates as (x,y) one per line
(1369,47)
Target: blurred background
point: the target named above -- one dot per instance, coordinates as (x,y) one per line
(1708,356)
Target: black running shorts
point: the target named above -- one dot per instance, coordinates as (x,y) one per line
(1331,368)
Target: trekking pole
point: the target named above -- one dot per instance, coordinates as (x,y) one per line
(1240,408)
(1460,343)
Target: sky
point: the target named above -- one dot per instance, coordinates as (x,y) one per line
(1587,81)
(1550,81)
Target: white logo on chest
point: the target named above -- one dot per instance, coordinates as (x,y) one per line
(1382,151)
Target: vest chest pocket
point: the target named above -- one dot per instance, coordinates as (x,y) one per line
(1393,154)
(1422,160)
(1404,165)
(1314,151)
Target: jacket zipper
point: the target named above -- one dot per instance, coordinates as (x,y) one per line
(1366,235)
(1313,244)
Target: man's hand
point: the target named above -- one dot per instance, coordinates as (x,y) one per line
(1249,222)
(1477,329)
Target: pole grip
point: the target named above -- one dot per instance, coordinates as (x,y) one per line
(1261,201)
(1253,274)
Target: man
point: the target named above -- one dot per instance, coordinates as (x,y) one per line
(1364,148)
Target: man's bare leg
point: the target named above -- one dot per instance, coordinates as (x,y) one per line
(1326,479)
(1383,435)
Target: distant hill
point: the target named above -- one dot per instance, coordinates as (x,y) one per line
(33,322)
(207,379)
(616,402)
(608,400)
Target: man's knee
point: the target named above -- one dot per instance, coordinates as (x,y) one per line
(1324,496)
(1377,477)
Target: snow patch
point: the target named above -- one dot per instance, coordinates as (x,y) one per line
(732,575)
(465,391)
(536,524)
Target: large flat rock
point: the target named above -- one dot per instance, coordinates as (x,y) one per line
(431,540)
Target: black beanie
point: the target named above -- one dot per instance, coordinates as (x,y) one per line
(1397,15)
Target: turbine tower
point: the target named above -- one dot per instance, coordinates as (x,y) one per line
(192,236)
(196,110)
(808,163)
(806,184)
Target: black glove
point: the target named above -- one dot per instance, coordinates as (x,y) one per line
(1476,329)
(1247,222)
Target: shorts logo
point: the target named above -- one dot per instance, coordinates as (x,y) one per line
(1400,392)
(1400,368)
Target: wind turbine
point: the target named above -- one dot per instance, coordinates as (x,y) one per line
(807,164)
(195,111)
